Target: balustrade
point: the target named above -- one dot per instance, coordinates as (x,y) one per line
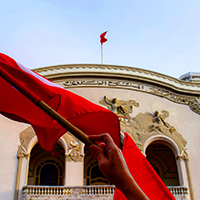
(84,192)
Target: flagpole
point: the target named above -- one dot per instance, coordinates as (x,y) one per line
(47,109)
(102,40)
(102,54)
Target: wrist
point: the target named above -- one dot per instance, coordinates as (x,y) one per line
(131,189)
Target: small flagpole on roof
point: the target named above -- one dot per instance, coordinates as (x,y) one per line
(102,40)
(102,54)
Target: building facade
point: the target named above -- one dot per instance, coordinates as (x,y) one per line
(160,113)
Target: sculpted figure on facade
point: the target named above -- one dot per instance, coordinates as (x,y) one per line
(159,122)
(145,125)
(121,108)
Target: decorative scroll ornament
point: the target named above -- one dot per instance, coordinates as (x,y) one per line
(192,102)
(195,105)
(184,155)
(75,152)
(22,151)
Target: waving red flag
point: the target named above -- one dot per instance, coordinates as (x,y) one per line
(143,173)
(102,38)
(87,116)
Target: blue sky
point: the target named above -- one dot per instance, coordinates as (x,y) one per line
(157,35)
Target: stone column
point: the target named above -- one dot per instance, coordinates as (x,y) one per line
(74,164)
(184,157)
(21,154)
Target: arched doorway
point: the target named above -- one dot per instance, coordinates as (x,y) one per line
(162,159)
(46,168)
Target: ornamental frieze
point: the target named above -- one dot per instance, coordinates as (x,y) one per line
(102,83)
(192,102)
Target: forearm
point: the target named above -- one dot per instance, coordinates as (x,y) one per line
(131,190)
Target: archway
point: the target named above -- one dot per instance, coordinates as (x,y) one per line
(46,168)
(162,159)
(92,173)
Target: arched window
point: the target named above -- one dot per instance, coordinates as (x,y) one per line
(46,168)
(92,173)
(162,159)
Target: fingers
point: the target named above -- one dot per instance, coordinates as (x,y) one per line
(105,137)
(98,154)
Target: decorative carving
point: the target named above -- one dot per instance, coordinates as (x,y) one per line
(74,145)
(22,151)
(169,95)
(184,155)
(26,136)
(159,122)
(144,125)
(103,83)
(195,105)
(74,149)
(192,102)
(121,108)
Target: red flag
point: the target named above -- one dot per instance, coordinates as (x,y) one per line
(87,116)
(143,173)
(102,38)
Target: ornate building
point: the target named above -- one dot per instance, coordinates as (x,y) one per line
(160,113)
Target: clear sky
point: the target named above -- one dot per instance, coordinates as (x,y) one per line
(157,35)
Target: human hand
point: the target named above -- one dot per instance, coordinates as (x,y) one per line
(114,167)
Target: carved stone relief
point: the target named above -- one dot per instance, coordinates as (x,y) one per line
(146,124)
(26,136)
(192,102)
(22,152)
(74,146)
(195,105)
(184,155)
(120,107)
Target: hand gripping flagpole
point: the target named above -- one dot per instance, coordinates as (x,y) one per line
(47,109)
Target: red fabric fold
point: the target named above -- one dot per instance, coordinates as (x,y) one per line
(87,116)
(143,173)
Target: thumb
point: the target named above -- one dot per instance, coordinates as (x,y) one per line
(98,154)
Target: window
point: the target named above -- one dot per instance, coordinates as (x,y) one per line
(92,173)
(162,159)
(45,169)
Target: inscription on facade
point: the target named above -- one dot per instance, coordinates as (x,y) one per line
(192,102)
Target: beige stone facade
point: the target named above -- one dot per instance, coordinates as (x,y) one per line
(160,113)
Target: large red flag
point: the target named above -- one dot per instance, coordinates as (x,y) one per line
(143,173)
(87,116)
(102,38)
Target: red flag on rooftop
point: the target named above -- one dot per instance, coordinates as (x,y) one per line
(143,173)
(102,38)
(87,116)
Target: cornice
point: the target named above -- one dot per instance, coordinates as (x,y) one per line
(115,71)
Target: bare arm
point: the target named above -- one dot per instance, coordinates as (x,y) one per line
(114,167)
